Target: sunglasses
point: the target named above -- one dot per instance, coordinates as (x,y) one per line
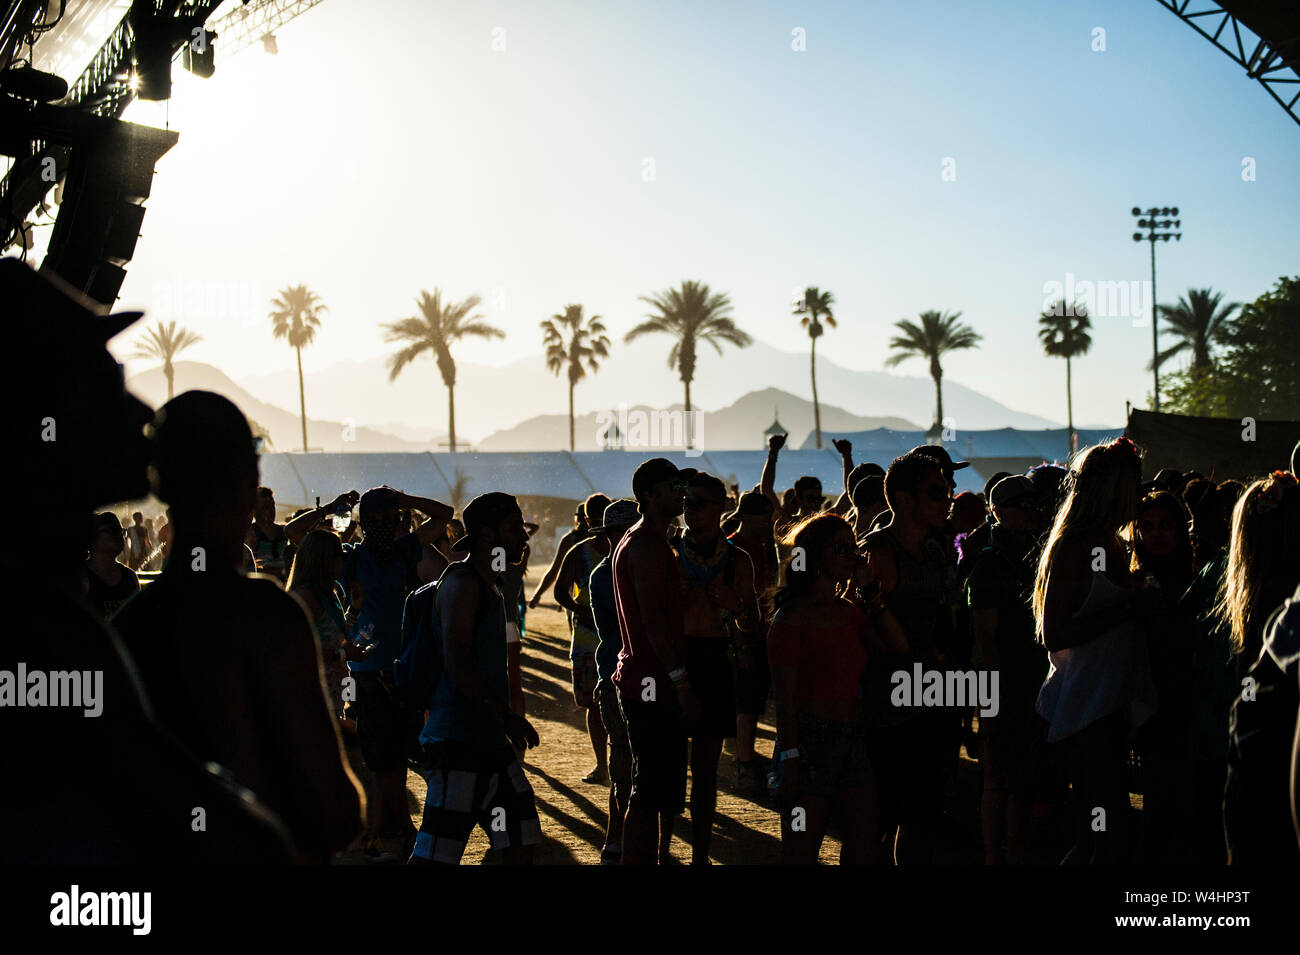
(675,483)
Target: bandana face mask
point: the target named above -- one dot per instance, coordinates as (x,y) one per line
(379,530)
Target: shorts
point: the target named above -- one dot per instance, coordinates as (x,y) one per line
(709,668)
(585,679)
(1008,744)
(753,684)
(471,785)
(385,730)
(620,750)
(832,756)
(658,741)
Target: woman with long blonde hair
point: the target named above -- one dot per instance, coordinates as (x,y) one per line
(1087,609)
(1261,603)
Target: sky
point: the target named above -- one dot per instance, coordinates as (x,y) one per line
(928,155)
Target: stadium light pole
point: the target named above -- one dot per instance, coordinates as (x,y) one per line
(1153,220)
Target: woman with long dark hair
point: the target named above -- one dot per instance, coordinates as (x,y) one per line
(818,644)
(1087,605)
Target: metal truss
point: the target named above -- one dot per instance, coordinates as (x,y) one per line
(245,25)
(1260,59)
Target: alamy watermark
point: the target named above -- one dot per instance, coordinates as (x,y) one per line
(1100,299)
(651,428)
(946,688)
(55,688)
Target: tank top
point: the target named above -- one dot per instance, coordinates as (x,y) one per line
(922,602)
(451,717)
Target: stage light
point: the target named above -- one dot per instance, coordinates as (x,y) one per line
(32,84)
(268,44)
(1137,211)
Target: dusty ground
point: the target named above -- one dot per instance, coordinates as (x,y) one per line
(573,813)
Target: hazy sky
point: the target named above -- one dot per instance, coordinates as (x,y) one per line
(614,149)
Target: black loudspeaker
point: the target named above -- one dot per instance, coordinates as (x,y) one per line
(103,207)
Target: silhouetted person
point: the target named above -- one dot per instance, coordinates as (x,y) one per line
(109,582)
(231,662)
(654,689)
(112,787)
(471,736)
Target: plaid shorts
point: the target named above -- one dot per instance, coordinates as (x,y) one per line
(471,785)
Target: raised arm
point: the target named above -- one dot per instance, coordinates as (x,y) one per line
(845,448)
(767,484)
(297,528)
(438,515)
(548,578)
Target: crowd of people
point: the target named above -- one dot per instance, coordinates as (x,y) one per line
(269,688)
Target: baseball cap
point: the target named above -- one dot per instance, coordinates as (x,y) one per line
(202,444)
(991,482)
(377,500)
(1166,479)
(485,511)
(619,514)
(1013,489)
(105,521)
(940,453)
(1046,479)
(64,310)
(653,472)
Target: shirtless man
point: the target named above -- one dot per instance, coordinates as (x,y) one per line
(654,689)
(720,611)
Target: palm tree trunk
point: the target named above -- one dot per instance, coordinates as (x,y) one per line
(451,417)
(302,401)
(170,373)
(687,429)
(1069,402)
(938,402)
(817,409)
(571,448)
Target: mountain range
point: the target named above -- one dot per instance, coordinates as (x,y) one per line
(491,399)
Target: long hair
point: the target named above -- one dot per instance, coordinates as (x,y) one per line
(800,567)
(1263,567)
(1100,498)
(313,563)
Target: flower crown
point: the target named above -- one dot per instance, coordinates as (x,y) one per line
(1275,486)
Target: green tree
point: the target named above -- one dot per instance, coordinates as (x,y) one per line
(690,314)
(435,330)
(1257,373)
(295,316)
(162,343)
(815,306)
(574,343)
(1063,332)
(938,334)
(1198,322)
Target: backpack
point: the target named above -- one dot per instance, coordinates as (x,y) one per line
(418,669)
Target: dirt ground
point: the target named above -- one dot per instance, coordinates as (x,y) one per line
(574,813)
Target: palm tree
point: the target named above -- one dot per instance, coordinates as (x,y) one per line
(163,343)
(435,329)
(295,319)
(815,305)
(569,342)
(938,333)
(1064,334)
(458,494)
(1198,321)
(690,314)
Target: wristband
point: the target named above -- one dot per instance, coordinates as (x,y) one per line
(792,753)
